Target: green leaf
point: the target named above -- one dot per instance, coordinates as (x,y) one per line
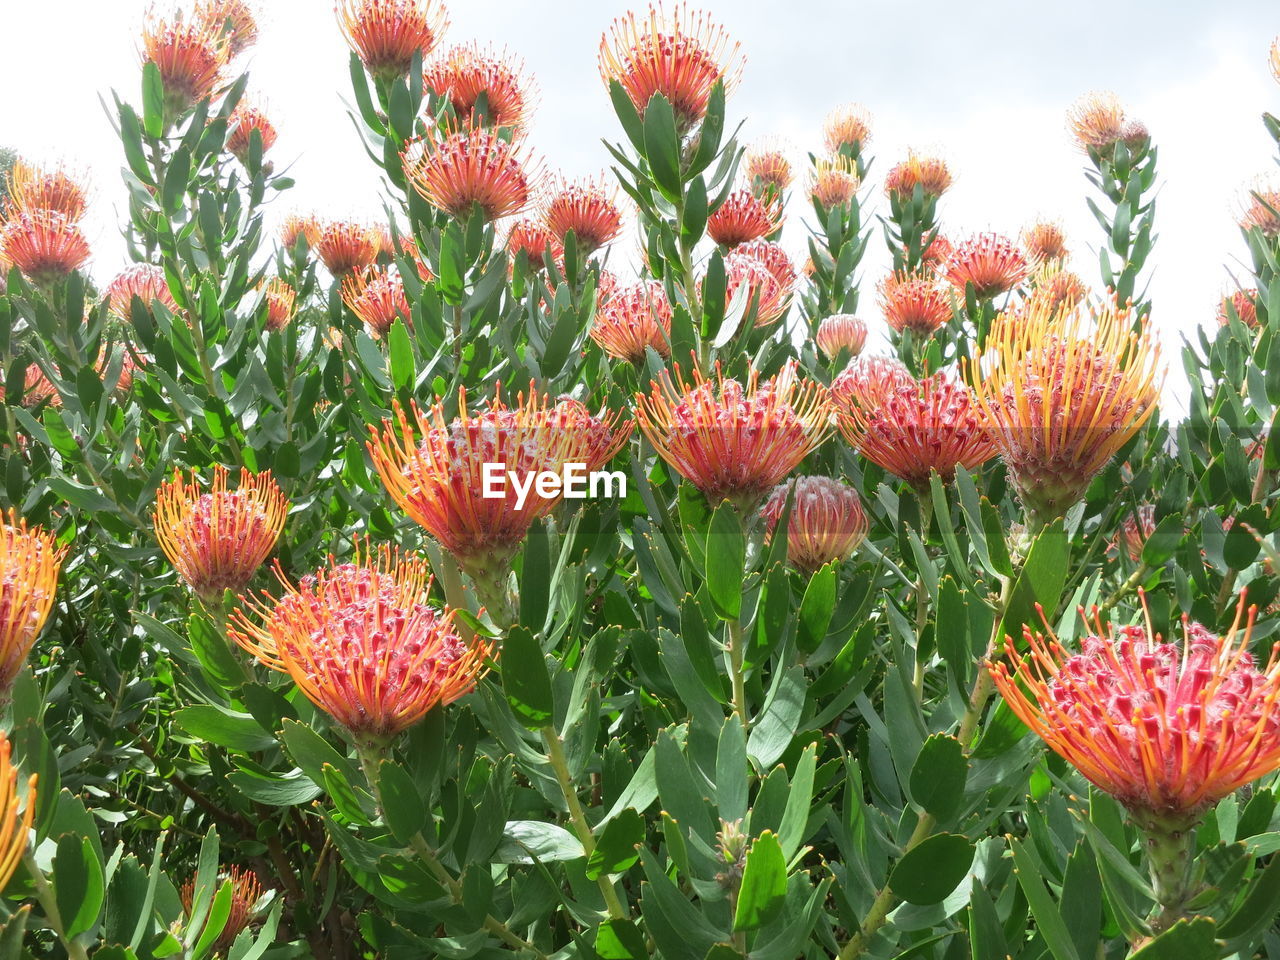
(619,938)
(616,849)
(78,883)
(763,893)
(210,648)
(662,147)
(400,349)
(526,679)
(732,769)
(628,116)
(1048,920)
(1164,540)
(1185,940)
(402,806)
(932,869)
(939,775)
(1043,575)
(311,752)
(12,933)
(818,605)
(726,557)
(523,841)
(226,728)
(152,100)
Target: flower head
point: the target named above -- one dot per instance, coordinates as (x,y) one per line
(345,246)
(1062,395)
(31,189)
(190,56)
(362,642)
(46,246)
(532,237)
(588,208)
(145,281)
(281,300)
(834,182)
(678,53)
(236,19)
(245,120)
(632,319)
(1244,303)
(768,167)
(744,217)
(749,277)
(919,427)
(916,303)
(387,34)
(30,560)
(846,128)
(482,85)
(15,828)
(730,440)
(472,167)
(1135,528)
(991,262)
(935,254)
(218,540)
(1096,121)
(867,380)
(827,521)
(377,297)
(296,227)
(1262,209)
(1056,287)
(246,892)
(841,332)
(930,174)
(1045,240)
(1167,729)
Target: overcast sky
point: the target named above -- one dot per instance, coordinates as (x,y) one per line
(986,84)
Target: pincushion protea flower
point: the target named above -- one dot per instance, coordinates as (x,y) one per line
(1262,209)
(377,298)
(1045,240)
(465,73)
(218,540)
(930,174)
(236,20)
(834,182)
(775,260)
(1243,303)
(913,302)
(1275,58)
(1096,120)
(744,217)
(30,560)
(46,246)
(533,239)
(1056,287)
(677,52)
(841,332)
(387,34)
(363,644)
(588,208)
(768,167)
(247,890)
(632,319)
(867,380)
(827,521)
(1135,528)
(991,262)
(473,167)
(345,246)
(246,119)
(750,279)
(281,300)
(846,128)
(190,56)
(937,252)
(145,281)
(31,188)
(917,428)
(1063,395)
(296,227)
(733,441)
(15,828)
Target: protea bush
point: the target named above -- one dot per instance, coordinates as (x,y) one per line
(617,566)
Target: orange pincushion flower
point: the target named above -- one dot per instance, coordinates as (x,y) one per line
(146,282)
(1262,209)
(281,300)
(867,380)
(934,255)
(246,892)
(916,303)
(533,239)
(930,174)
(733,441)
(1134,530)
(834,182)
(15,828)
(749,280)
(632,319)
(1275,58)
(1245,305)
(245,119)
(218,540)
(32,188)
(768,167)
(589,209)
(36,389)
(344,246)
(387,34)
(30,560)
(190,56)
(235,18)
(744,217)
(295,227)
(842,331)
(46,246)
(1096,121)
(1057,287)
(377,297)
(472,167)
(1063,395)
(919,427)
(846,128)
(362,642)
(827,521)
(1045,240)
(774,259)
(466,73)
(681,54)
(1167,729)
(989,261)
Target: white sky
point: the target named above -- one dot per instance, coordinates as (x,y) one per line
(987,84)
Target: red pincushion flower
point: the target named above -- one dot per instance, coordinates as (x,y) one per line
(377,298)
(588,209)
(842,331)
(387,34)
(190,56)
(744,217)
(32,189)
(467,73)
(218,540)
(235,19)
(472,167)
(1045,240)
(1262,210)
(1134,530)
(295,227)
(244,121)
(246,889)
(768,167)
(847,127)
(362,642)
(930,174)
(920,427)
(632,319)
(834,182)
(989,261)
(145,281)
(281,300)
(774,259)
(1244,303)
(827,521)
(30,560)
(345,247)
(750,282)
(867,380)
(1167,730)
(533,239)
(680,54)
(46,246)
(916,303)
(733,441)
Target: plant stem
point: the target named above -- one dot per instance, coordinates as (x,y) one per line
(1133,580)
(49,903)
(1170,846)
(555,754)
(738,671)
(457,339)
